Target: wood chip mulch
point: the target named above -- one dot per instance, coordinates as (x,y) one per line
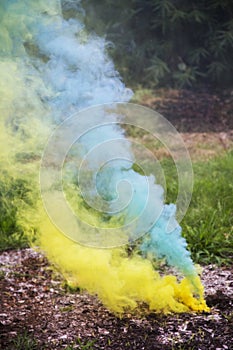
(34,302)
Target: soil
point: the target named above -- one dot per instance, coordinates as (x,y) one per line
(38,312)
(204,119)
(36,304)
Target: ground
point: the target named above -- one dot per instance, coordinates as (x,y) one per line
(36,305)
(38,312)
(204,119)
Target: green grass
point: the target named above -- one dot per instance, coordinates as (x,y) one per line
(81,345)
(207,226)
(14,194)
(24,341)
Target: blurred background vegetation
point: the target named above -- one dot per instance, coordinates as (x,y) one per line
(175,43)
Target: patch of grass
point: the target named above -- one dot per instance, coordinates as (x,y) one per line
(24,341)
(82,345)
(14,193)
(66,308)
(141,93)
(13,241)
(208,224)
(69,288)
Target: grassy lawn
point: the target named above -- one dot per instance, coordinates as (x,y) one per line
(207,226)
(14,193)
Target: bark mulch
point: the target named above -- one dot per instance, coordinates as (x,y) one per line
(37,309)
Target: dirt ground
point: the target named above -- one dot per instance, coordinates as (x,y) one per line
(204,119)
(34,302)
(36,305)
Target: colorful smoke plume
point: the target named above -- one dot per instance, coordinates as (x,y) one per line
(50,70)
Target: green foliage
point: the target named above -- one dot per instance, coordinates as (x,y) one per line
(157,70)
(24,341)
(167,42)
(87,345)
(186,76)
(81,345)
(13,194)
(68,288)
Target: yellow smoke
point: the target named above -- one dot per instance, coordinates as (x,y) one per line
(121,282)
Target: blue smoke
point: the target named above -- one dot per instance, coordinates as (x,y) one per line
(73,71)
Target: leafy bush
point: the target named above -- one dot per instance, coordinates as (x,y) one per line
(167,42)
